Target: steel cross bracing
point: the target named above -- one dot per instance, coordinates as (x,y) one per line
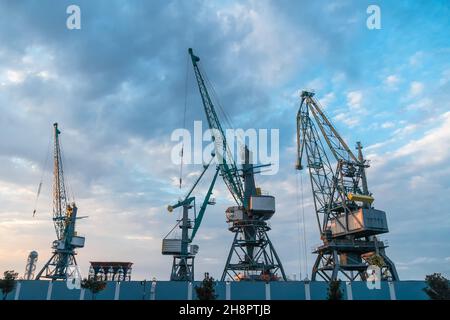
(341,198)
(264,258)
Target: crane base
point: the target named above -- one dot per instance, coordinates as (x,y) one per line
(61,266)
(351,259)
(252,255)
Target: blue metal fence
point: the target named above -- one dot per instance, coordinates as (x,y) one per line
(170,290)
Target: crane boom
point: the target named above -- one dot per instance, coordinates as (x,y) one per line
(226,162)
(59,189)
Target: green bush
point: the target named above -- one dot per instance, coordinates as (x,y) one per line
(8,283)
(93,285)
(206,291)
(438,287)
(334,290)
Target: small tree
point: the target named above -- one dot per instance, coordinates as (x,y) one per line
(8,283)
(334,290)
(93,285)
(438,287)
(206,290)
(377,260)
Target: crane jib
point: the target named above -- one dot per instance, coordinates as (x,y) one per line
(226,163)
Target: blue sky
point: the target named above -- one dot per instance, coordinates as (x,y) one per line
(117,88)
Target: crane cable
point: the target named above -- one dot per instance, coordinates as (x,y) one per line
(42,177)
(184,127)
(301,221)
(184,121)
(300,267)
(225,117)
(304,226)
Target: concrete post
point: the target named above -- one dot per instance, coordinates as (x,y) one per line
(49,290)
(227,290)
(153,291)
(117,291)
(16,296)
(392,290)
(189,291)
(268,291)
(307,291)
(349,290)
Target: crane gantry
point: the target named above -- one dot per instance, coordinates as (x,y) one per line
(348,223)
(62,263)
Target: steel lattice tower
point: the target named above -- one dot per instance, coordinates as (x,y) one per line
(62,264)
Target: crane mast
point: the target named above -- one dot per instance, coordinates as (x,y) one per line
(252,255)
(348,223)
(59,189)
(62,263)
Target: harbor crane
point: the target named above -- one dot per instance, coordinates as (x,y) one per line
(348,223)
(62,264)
(182,250)
(252,255)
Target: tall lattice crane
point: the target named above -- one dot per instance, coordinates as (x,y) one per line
(62,264)
(252,255)
(348,222)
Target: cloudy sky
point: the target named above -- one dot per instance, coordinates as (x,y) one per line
(118,87)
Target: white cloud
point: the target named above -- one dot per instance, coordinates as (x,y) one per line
(140,238)
(422,104)
(432,148)
(416,88)
(15,76)
(260,28)
(419,261)
(327,99)
(445,77)
(406,130)
(388,124)
(354,100)
(315,85)
(391,81)
(338,78)
(346,119)
(416,58)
